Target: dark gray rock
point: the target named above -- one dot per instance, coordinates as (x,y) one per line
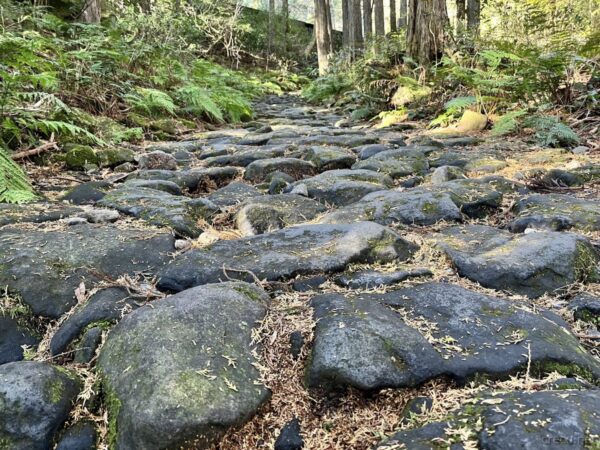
(416,407)
(257,139)
(290,437)
(296,344)
(530,264)
(343,187)
(245,157)
(36,213)
(177,146)
(330,158)
(159,185)
(586,307)
(180,372)
(285,254)
(35,400)
(86,193)
(115,156)
(369,278)
(81,436)
(233,194)
(490,336)
(157,160)
(272,212)
(366,151)
(527,420)
(556,212)
(396,163)
(99,215)
(296,168)
(106,305)
(363,344)
(45,267)
(448,158)
(446,173)
(309,284)
(390,207)
(161,208)
(89,343)
(12,337)
(193,180)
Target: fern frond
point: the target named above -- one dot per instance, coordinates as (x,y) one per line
(151,101)
(14,185)
(198,101)
(508,123)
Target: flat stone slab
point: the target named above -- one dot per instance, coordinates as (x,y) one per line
(396,163)
(233,194)
(193,180)
(45,267)
(330,158)
(294,167)
(390,207)
(405,337)
(530,264)
(285,254)
(343,187)
(531,420)
(161,208)
(180,372)
(246,156)
(555,212)
(268,213)
(35,400)
(36,213)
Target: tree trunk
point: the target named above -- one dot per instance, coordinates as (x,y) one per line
(403,14)
(92,11)
(473,16)
(393,24)
(271,28)
(379,17)
(322,36)
(368,18)
(461,13)
(329,24)
(425,35)
(285,17)
(357,33)
(346,23)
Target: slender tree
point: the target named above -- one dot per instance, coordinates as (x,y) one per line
(473,16)
(379,17)
(425,36)
(368,18)
(346,23)
(91,11)
(393,23)
(322,36)
(285,17)
(403,14)
(329,24)
(357,32)
(461,13)
(271,28)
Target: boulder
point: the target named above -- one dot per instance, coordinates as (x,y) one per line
(369,279)
(555,212)
(181,372)
(233,194)
(245,156)
(397,163)
(531,264)
(36,213)
(45,267)
(390,207)
(194,180)
(330,158)
(529,420)
(157,160)
(12,337)
(297,168)
(161,208)
(343,187)
(285,254)
(272,212)
(81,436)
(35,400)
(114,156)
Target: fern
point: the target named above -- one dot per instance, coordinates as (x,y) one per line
(14,185)
(551,132)
(198,101)
(151,102)
(233,103)
(508,123)
(62,128)
(453,108)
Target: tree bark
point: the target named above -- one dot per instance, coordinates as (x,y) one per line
(329,24)
(461,13)
(403,14)
(425,33)
(346,23)
(393,23)
(379,17)
(368,18)
(357,25)
(473,16)
(92,11)
(285,17)
(271,28)
(322,36)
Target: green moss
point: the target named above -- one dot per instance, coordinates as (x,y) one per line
(430,208)
(585,264)
(54,389)
(566,369)
(111,157)
(168,126)
(6,443)
(249,292)
(113,407)
(79,156)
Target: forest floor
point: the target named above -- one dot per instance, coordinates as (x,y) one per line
(434,289)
